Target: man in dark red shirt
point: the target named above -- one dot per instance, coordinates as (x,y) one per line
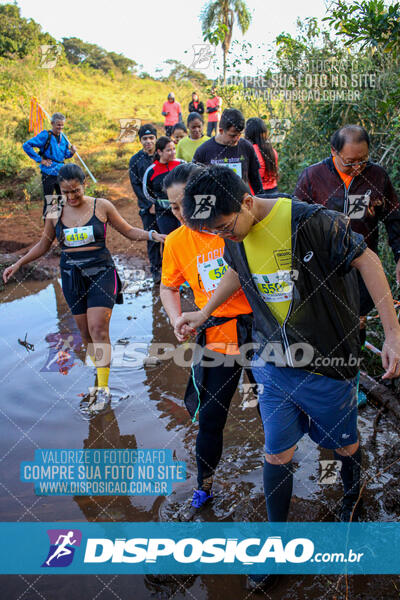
(349,182)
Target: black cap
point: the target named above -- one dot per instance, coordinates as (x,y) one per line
(147,129)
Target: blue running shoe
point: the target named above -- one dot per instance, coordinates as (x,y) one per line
(200,497)
(199,500)
(361,397)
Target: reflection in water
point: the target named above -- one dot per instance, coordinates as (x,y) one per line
(104,433)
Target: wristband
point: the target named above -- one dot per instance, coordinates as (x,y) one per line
(151,234)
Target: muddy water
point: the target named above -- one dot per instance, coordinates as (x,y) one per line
(43,410)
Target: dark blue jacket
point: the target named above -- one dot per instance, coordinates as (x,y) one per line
(138,166)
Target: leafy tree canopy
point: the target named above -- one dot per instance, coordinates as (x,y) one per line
(79,52)
(19,36)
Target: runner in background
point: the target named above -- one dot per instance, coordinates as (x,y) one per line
(228,149)
(53,150)
(90,281)
(256,133)
(213,109)
(172,112)
(195,105)
(188,145)
(138,165)
(153,181)
(178,132)
(197,258)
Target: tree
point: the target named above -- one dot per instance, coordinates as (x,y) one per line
(223,13)
(79,52)
(18,36)
(181,72)
(368,22)
(124,64)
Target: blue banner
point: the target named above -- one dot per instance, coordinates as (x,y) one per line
(194,548)
(70,472)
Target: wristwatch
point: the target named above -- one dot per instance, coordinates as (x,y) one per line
(151,234)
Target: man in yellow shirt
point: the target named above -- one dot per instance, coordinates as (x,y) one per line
(297,265)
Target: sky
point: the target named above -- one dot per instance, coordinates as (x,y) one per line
(151,31)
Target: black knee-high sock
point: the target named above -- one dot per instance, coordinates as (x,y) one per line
(350,473)
(278,485)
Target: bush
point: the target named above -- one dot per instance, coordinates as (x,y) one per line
(33,187)
(11,158)
(96,190)
(26,174)
(21,133)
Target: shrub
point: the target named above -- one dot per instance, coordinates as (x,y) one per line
(11,158)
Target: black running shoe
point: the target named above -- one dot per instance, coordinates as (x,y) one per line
(262,583)
(347,508)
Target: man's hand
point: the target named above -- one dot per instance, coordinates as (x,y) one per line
(391,355)
(187,332)
(159,237)
(398,272)
(152,209)
(73,149)
(190,320)
(46,162)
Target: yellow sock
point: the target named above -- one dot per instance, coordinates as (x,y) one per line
(92,358)
(103,373)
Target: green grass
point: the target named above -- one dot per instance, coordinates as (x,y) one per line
(93,104)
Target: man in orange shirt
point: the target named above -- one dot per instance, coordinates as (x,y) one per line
(213,108)
(197,258)
(172,112)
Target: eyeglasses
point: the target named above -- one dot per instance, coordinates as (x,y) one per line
(355,164)
(227,229)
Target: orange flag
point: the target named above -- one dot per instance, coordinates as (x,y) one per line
(36,117)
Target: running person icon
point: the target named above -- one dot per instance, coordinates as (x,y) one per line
(62,549)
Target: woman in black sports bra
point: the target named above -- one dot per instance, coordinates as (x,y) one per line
(90,281)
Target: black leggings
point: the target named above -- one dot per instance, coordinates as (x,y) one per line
(166,220)
(220,383)
(50,187)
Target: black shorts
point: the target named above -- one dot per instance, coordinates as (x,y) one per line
(89,285)
(94,290)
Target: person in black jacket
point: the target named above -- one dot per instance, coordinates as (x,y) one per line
(138,165)
(295,262)
(195,105)
(153,187)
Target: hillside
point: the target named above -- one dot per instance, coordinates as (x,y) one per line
(93,103)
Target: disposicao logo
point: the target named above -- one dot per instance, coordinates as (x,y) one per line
(190,550)
(62,547)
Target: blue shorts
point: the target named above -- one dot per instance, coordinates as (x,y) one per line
(294,402)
